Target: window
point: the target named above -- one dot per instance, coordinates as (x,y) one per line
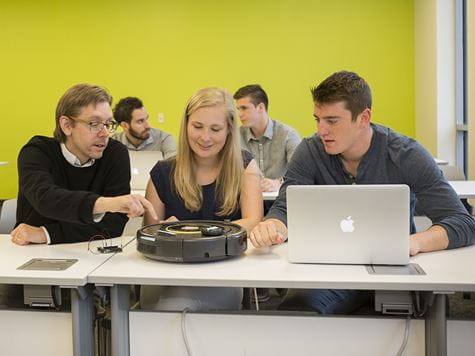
(461,140)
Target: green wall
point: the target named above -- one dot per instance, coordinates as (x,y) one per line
(162,51)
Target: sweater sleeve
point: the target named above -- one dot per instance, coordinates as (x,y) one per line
(436,198)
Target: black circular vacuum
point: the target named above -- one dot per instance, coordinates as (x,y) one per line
(192,241)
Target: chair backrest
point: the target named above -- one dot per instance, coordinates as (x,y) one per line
(452,172)
(8,216)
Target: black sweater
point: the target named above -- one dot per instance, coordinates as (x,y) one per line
(55,194)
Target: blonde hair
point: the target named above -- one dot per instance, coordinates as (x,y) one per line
(230,163)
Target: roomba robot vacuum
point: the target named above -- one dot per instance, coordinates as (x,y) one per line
(191,241)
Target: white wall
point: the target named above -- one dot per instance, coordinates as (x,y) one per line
(471,85)
(434,22)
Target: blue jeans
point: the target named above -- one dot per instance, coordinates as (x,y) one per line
(325,301)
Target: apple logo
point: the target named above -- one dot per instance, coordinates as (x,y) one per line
(346,225)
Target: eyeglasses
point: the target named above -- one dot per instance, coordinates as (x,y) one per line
(98,126)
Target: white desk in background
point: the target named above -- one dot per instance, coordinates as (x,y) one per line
(270,195)
(440,161)
(464,188)
(447,272)
(16,340)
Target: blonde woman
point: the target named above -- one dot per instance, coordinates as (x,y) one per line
(210,178)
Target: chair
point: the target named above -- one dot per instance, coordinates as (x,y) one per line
(8,216)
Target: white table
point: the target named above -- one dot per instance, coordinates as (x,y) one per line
(447,271)
(440,161)
(74,278)
(270,195)
(464,188)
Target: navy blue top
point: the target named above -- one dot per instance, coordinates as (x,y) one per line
(174,205)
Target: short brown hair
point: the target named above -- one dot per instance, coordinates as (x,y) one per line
(124,108)
(74,100)
(344,86)
(255,93)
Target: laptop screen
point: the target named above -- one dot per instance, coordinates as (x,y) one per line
(353,224)
(141,163)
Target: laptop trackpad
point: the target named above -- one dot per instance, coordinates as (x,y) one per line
(410,269)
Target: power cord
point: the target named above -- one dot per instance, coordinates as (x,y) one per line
(183,331)
(105,241)
(421,304)
(402,349)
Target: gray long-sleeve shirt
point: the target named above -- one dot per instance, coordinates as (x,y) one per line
(157,141)
(392,158)
(274,149)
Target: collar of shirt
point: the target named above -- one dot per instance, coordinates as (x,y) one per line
(73,160)
(145,143)
(268,133)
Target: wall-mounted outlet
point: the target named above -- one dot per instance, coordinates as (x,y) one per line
(161,118)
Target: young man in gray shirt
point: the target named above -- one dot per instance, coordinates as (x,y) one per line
(349,149)
(271,142)
(137,134)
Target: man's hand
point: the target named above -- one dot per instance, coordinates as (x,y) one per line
(414,247)
(434,238)
(270,185)
(268,233)
(132,204)
(25,234)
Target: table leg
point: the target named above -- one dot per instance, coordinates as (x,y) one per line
(120,320)
(436,327)
(82,311)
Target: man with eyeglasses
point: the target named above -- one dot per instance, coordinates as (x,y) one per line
(136,133)
(76,185)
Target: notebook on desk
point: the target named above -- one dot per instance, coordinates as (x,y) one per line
(141,163)
(348,224)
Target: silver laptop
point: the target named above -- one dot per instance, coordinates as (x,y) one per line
(353,224)
(141,163)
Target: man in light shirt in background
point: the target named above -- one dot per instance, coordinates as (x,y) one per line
(137,133)
(271,142)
